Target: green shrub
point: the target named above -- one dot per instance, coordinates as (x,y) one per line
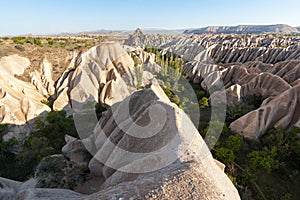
(50,41)
(263,161)
(46,102)
(200,94)
(203,102)
(34,149)
(287,144)
(238,111)
(55,127)
(37,41)
(234,142)
(3,130)
(225,155)
(168,92)
(48,140)
(175,99)
(19,40)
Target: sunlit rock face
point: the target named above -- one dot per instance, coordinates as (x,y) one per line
(103,74)
(259,65)
(146,141)
(20,102)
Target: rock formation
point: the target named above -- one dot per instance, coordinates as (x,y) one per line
(144,146)
(105,74)
(150,149)
(279,111)
(20,101)
(169,145)
(223,48)
(265,66)
(246,29)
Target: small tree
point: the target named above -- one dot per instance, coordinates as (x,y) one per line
(139,70)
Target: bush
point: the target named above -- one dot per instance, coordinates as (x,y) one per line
(48,140)
(225,155)
(55,127)
(46,102)
(168,92)
(19,40)
(3,130)
(175,99)
(263,161)
(203,102)
(200,94)
(37,41)
(234,142)
(50,41)
(287,144)
(238,111)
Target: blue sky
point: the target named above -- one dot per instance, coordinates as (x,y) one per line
(56,16)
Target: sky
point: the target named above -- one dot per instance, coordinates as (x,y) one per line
(56,16)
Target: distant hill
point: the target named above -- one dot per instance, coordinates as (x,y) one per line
(251,29)
(144,30)
(240,29)
(162,31)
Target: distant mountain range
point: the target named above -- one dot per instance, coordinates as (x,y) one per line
(144,30)
(240,29)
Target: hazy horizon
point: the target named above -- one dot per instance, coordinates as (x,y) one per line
(54,17)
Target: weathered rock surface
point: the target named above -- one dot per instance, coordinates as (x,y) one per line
(246,29)
(188,180)
(280,111)
(43,81)
(11,190)
(103,74)
(164,157)
(57,194)
(175,152)
(20,101)
(263,66)
(223,48)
